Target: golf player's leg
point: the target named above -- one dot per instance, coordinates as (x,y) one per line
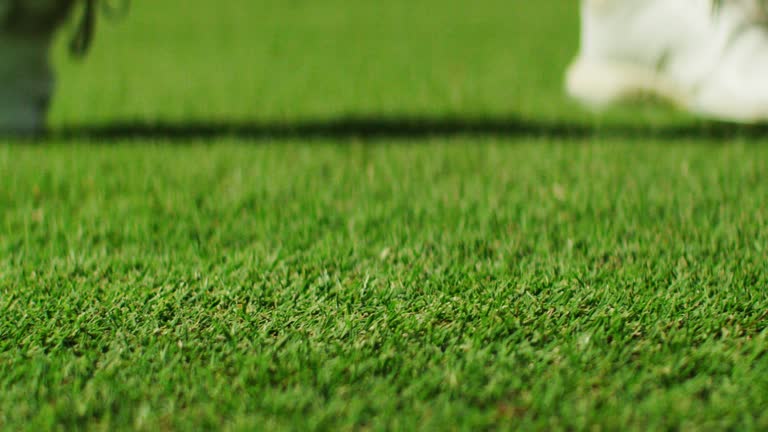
(711,60)
(26,79)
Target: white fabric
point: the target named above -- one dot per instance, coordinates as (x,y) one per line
(714,63)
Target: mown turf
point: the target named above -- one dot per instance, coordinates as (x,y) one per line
(573,273)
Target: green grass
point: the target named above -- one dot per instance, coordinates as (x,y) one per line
(589,272)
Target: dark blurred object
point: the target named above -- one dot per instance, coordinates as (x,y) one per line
(34,18)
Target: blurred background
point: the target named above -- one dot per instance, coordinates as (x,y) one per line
(285,60)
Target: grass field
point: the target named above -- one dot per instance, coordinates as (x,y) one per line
(378,215)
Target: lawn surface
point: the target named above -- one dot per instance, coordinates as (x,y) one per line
(373,215)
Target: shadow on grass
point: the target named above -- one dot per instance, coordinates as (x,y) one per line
(405,127)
